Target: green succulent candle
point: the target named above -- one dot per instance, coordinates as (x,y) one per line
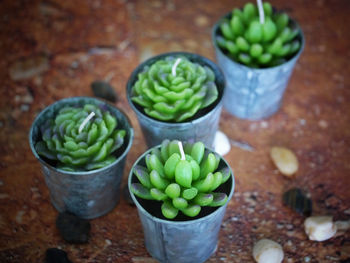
(81,138)
(258,37)
(182,179)
(174,89)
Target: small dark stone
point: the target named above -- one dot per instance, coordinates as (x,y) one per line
(72,228)
(55,255)
(296,199)
(127,196)
(104,90)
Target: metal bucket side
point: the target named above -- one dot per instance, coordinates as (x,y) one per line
(254,93)
(199,129)
(87,194)
(181,241)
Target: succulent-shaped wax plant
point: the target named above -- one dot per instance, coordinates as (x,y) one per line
(258,37)
(81,138)
(174,89)
(182,179)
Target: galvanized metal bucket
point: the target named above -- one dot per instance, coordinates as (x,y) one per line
(201,128)
(87,194)
(251,93)
(182,241)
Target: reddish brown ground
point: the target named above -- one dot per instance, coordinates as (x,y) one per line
(60,38)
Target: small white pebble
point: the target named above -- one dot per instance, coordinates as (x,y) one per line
(285,160)
(320,228)
(221,143)
(266,250)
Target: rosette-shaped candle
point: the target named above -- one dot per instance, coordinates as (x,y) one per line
(174,89)
(81,138)
(182,179)
(256,42)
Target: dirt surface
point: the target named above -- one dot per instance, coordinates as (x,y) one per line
(56,49)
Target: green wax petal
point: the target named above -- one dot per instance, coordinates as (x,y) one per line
(143,176)
(141,191)
(168,210)
(191,210)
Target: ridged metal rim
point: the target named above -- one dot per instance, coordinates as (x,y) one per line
(170,222)
(80,173)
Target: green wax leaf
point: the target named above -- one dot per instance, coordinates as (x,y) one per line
(249,12)
(208,165)
(217,181)
(189,193)
(276,46)
(191,210)
(268,11)
(285,34)
(226,30)
(197,151)
(159,89)
(164,150)
(226,174)
(173,190)
(203,199)
(190,112)
(168,210)
(269,30)
(180,203)
(159,115)
(141,191)
(180,87)
(196,170)
(265,58)
(71,146)
(183,173)
(242,44)
(255,32)
(295,46)
(169,108)
(41,149)
(281,21)
(177,81)
(256,50)
(219,199)
(237,25)
(101,164)
(244,58)
(143,176)
(211,94)
(158,181)
(158,194)
(173,147)
(111,122)
(156,164)
(170,165)
(142,101)
(175,96)
(205,184)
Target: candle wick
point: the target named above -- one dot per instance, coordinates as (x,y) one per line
(89,117)
(173,69)
(183,157)
(261,11)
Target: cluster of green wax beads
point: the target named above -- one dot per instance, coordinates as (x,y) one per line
(77,148)
(174,93)
(258,45)
(182,184)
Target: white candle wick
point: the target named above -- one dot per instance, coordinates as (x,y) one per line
(183,157)
(261,11)
(89,117)
(173,69)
